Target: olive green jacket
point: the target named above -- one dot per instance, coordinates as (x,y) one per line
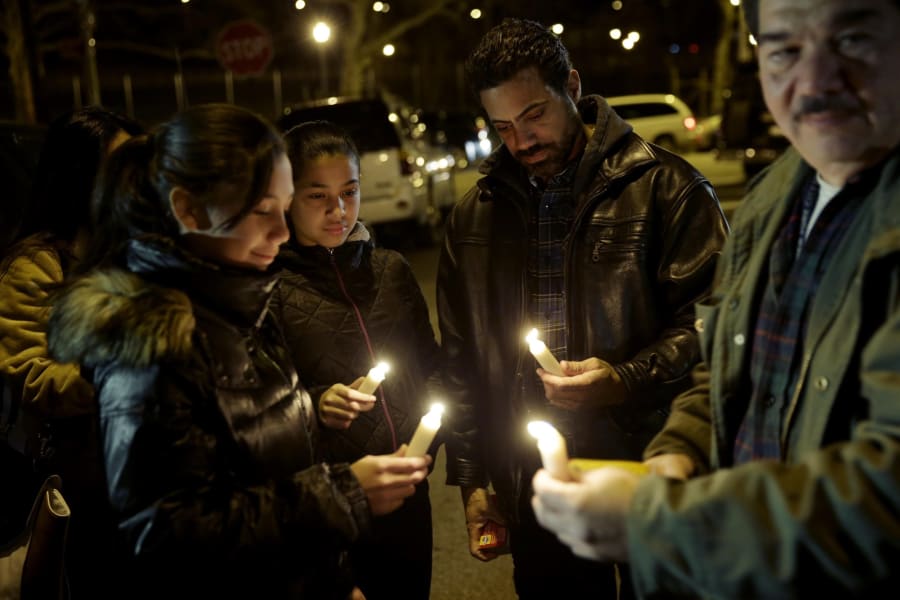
(28,275)
(826,517)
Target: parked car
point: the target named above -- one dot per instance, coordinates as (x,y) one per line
(398,193)
(662,119)
(706,134)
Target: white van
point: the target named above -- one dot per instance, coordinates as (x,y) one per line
(662,119)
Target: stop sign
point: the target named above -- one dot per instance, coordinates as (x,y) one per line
(244,48)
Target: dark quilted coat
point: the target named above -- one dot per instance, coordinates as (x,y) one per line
(208,436)
(315,300)
(334,305)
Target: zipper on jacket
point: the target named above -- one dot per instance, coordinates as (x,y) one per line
(568,244)
(365,332)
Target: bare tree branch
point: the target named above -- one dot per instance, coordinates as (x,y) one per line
(375,44)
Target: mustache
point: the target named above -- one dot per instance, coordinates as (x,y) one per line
(529,151)
(811,105)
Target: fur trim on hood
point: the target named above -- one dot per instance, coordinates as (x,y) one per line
(116,315)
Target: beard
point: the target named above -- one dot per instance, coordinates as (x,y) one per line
(555,155)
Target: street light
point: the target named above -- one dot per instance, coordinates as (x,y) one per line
(321,33)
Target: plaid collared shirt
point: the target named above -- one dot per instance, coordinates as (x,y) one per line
(550,219)
(794,275)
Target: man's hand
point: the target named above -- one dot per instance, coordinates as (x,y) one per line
(588,515)
(675,466)
(590,382)
(479,510)
(388,479)
(339,405)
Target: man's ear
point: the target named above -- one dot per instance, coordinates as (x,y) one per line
(573,86)
(190,214)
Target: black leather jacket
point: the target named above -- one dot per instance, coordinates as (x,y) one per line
(641,252)
(209,437)
(315,302)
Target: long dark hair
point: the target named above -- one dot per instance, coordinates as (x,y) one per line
(71,156)
(217,152)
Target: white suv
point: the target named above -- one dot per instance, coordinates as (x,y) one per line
(662,119)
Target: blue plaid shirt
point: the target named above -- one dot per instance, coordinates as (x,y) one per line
(550,220)
(794,276)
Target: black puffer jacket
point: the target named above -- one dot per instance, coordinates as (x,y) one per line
(641,251)
(315,300)
(208,434)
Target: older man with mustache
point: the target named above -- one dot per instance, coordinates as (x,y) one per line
(778,474)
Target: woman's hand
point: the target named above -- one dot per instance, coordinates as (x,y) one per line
(388,479)
(340,404)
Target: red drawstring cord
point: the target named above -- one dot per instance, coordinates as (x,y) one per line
(365,332)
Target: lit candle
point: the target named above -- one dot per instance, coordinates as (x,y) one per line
(425,432)
(374,378)
(544,357)
(552,447)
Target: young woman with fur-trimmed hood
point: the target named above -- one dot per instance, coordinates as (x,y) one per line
(209,438)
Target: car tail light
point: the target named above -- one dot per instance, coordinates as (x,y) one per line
(690,123)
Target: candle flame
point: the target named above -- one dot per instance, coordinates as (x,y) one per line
(437,408)
(541,429)
(532,336)
(383,367)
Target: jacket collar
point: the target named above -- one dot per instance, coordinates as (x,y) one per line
(147,313)
(241,295)
(783,179)
(318,265)
(352,253)
(608,155)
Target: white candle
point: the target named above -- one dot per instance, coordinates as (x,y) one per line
(425,432)
(552,447)
(544,357)
(374,378)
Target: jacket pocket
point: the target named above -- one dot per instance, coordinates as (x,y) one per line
(607,238)
(705,324)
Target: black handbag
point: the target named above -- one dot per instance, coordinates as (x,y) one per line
(32,564)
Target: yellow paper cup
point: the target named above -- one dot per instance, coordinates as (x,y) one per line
(588,464)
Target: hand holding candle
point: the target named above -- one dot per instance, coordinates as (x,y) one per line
(544,357)
(374,378)
(425,432)
(552,447)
